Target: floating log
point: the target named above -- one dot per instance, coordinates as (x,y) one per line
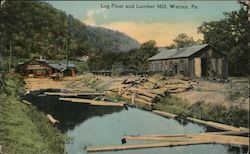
(26,102)
(73,94)
(143,146)
(51,119)
(165,114)
(93,102)
(215,138)
(188,135)
(159,138)
(217,125)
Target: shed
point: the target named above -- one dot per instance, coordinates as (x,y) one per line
(199,61)
(38,67)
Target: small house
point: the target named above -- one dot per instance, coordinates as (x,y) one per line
(199,61)
(38,67)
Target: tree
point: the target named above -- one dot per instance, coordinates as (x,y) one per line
(231,35)
(138,58)
(183,40)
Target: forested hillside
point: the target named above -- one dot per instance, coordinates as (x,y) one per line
(38,28)
(231,35)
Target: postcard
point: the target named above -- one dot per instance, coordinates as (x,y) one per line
(124,77)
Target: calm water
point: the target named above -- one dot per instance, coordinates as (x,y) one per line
(104,126)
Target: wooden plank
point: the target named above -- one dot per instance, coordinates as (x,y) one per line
(60,94)
(160,138)
(93,102)
(73,94)
(188,135)
(222,139)
(216,125)
(165,114)
(51,119)
(26,102)
(225,139)
(143,146)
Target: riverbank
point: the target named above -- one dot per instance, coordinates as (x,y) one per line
(221,102)
(234,116)
(24,129)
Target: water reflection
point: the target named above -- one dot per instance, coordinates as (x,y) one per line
(69,114)
(105,126)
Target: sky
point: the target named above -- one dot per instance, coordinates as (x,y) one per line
(144,24)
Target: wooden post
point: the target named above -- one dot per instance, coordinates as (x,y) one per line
(67,59)
(10,57)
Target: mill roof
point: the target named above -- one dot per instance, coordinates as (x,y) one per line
(177,53)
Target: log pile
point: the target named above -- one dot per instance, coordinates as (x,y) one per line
(148,90)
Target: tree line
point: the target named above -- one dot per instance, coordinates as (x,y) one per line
(36,27)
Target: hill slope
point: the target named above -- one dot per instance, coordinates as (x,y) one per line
(37,27)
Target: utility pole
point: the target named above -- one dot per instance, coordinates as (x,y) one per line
(10,57)
(67,59)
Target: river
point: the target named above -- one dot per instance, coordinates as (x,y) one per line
(104,126)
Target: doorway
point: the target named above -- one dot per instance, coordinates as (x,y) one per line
(175,69)
(204,67)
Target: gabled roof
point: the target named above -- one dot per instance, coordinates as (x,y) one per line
(61,67)
(177,53)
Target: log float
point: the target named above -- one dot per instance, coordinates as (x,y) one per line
(51,119)
(93,102)
(215,138)
(175,140)
(26,102)
(165,114)
(73,94)
(217,125)
(207,123)
(143,146)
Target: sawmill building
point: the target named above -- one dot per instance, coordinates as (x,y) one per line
(199,61)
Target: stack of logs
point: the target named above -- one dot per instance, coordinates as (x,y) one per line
(146,90)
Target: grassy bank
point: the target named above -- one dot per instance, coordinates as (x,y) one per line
(232,115)
(23,129)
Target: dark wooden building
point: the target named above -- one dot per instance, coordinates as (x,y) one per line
(199,61)
(38,67)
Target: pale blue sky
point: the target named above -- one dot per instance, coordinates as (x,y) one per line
(161,25)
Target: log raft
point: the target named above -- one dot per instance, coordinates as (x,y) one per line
(175,140)
(73,94)
(93,102)
(217,125)
(142,146)
(165,114)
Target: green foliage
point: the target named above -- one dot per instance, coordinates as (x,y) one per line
(35,27)
(134,59)
(200,110)
(10,82)
(231,35)
(23,129)
(183,40)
